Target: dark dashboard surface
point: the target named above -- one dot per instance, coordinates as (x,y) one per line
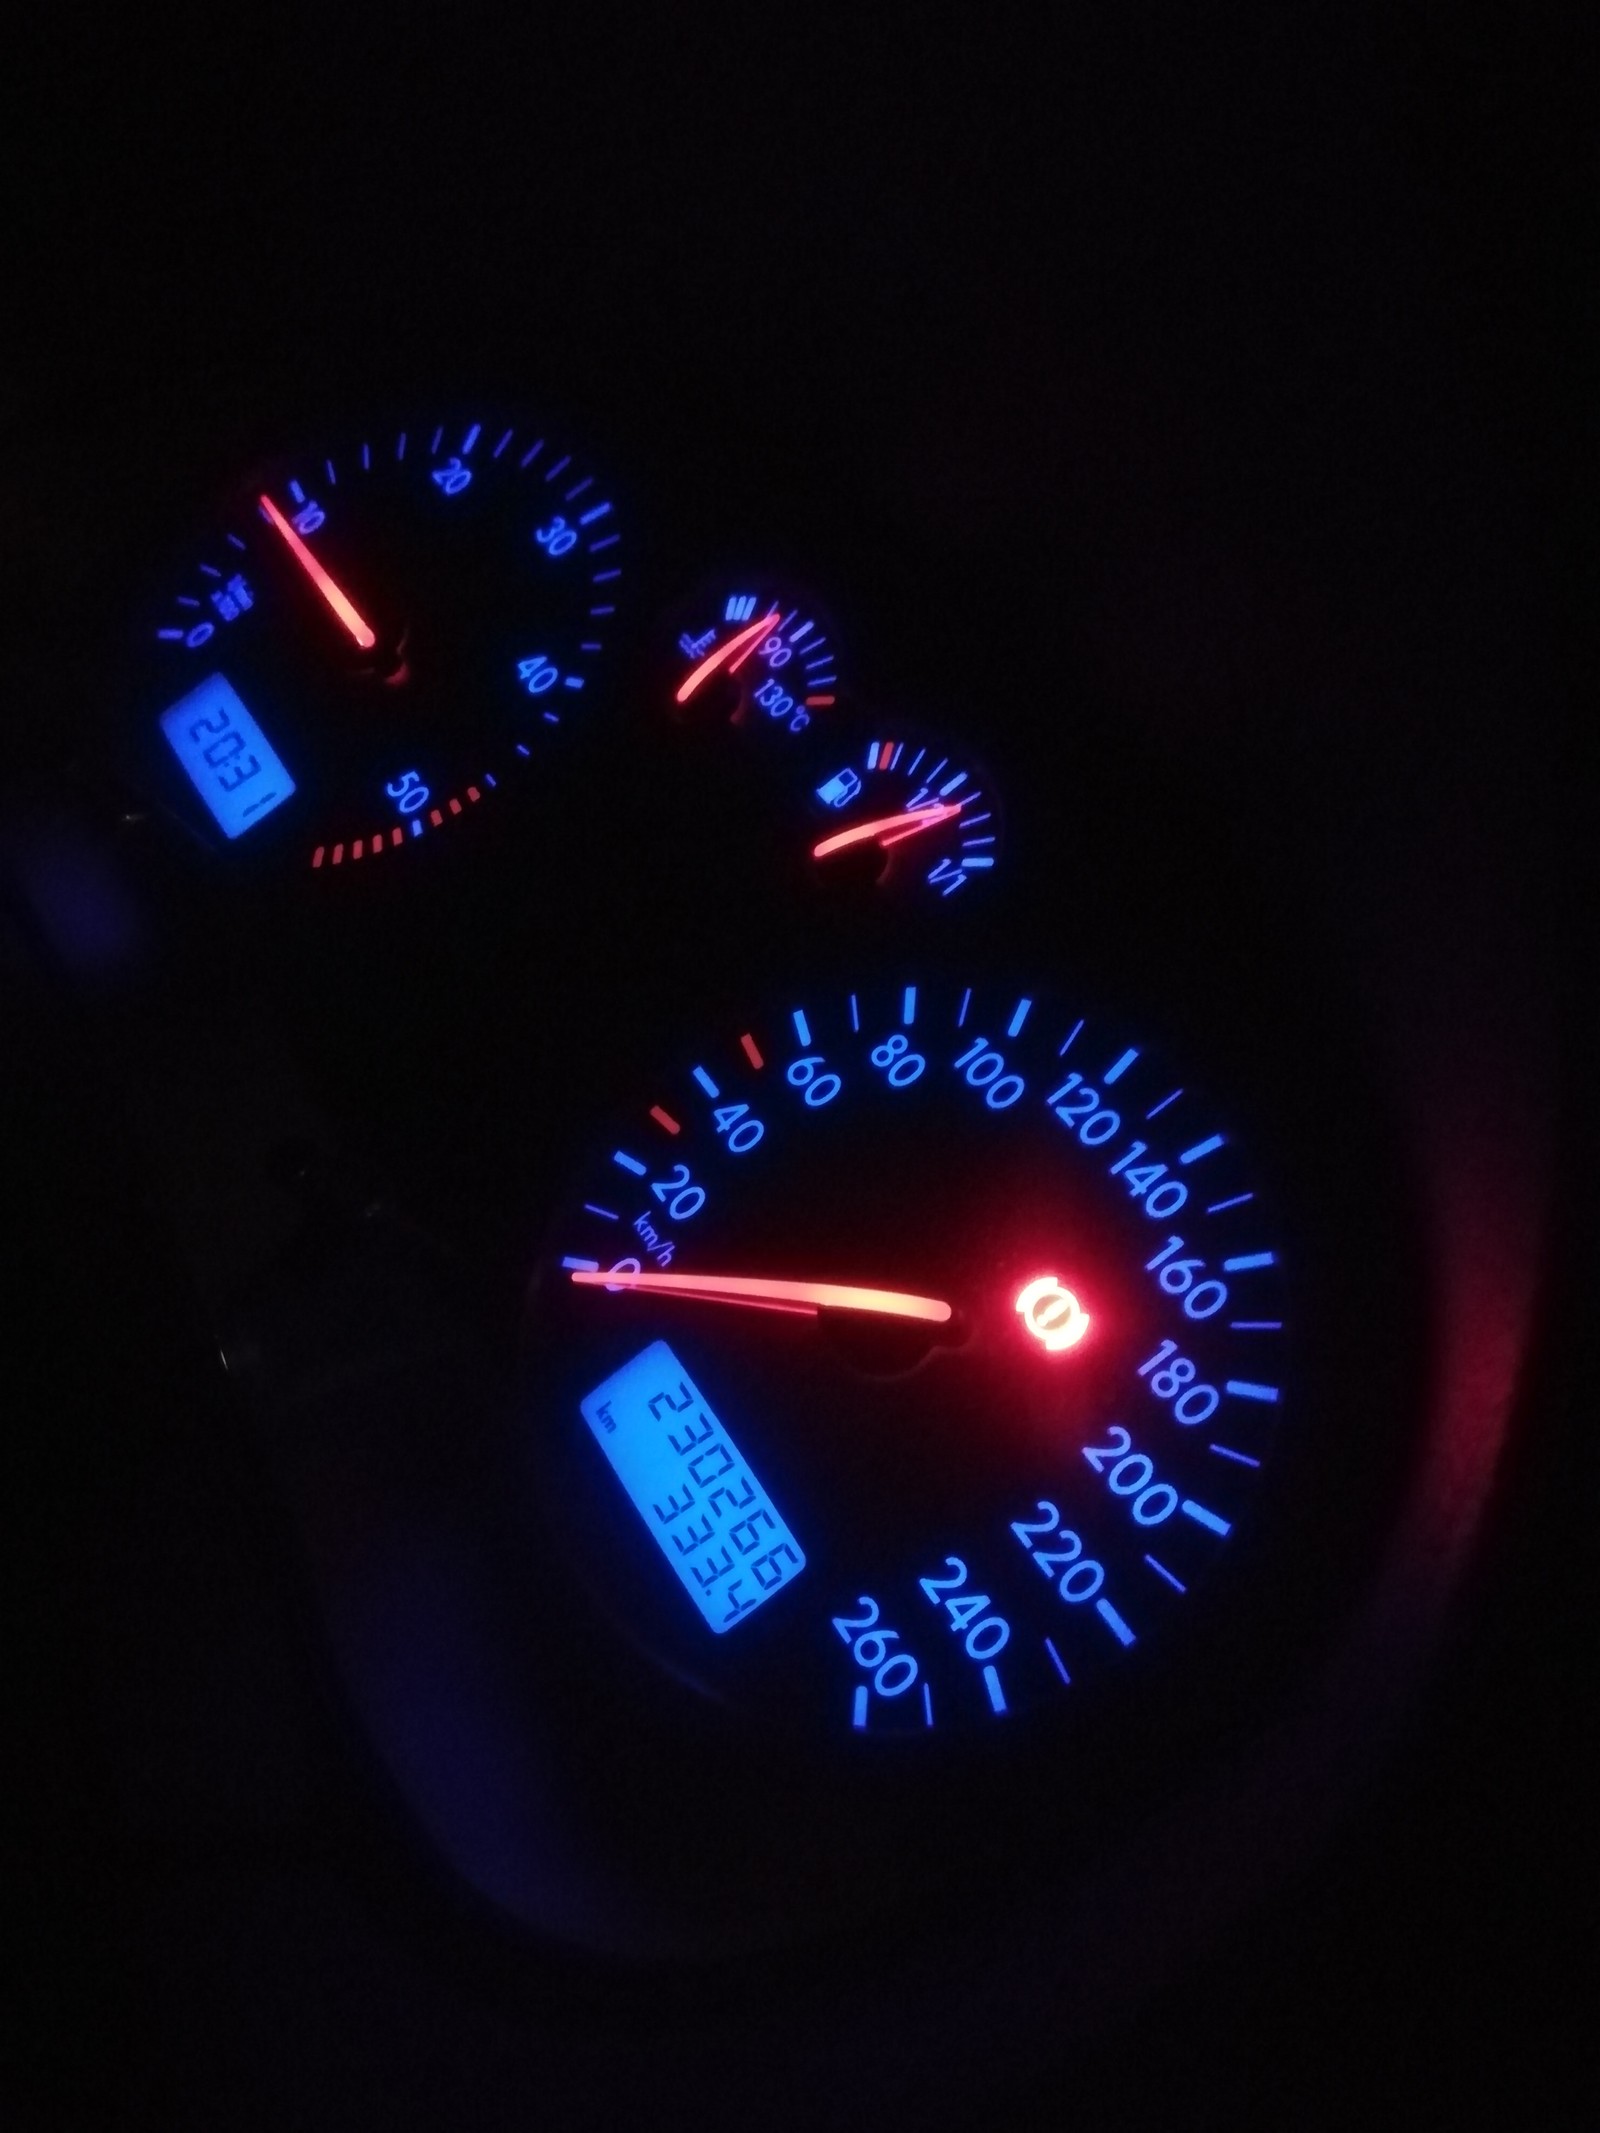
(1222,375)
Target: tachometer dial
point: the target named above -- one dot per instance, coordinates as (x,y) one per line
(908,1357)
(369,642)
(910,811)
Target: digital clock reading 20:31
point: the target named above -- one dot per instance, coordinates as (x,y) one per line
(989,1297)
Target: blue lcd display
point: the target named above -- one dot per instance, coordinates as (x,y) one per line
(710,1517)
(231,764)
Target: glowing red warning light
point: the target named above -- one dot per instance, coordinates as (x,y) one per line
(1052,1314)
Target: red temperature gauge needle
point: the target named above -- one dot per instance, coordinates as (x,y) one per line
(743,643)
(337,598)
(889,829)
(807,1296)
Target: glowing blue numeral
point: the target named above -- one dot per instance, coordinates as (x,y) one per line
(408,792)
(558,538)
(809,1074)
(452,477)
(537,674)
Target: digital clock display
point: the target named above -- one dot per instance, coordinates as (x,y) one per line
(229,760)
(710,1517)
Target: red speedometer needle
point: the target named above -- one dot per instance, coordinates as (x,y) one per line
(807,1296)
(337,598)
(888,829)
(743,642)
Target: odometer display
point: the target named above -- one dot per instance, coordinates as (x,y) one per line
(988,1298)
(713,1522)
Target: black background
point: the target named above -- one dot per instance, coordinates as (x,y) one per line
(1247,348)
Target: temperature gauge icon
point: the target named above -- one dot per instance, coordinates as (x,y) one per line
(762,660)
(923,815)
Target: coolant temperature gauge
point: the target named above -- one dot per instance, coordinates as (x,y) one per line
(759,660)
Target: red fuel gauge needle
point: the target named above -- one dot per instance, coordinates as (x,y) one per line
(738,648)
(337,598)
(807,1296)
(888,829)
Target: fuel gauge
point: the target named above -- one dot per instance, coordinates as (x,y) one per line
(915,814)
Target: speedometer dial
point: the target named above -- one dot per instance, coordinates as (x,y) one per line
(910,1355)
(372,641)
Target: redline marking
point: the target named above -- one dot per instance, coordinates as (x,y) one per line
(358,848)
(473,793)
(316,857)
(455,805)
(436,818)
(338,854)
(665,1118)
(818,701)
(748,1046)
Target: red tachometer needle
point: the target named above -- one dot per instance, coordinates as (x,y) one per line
(743,642)
(807,1296)
(889,829)
(339,600)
